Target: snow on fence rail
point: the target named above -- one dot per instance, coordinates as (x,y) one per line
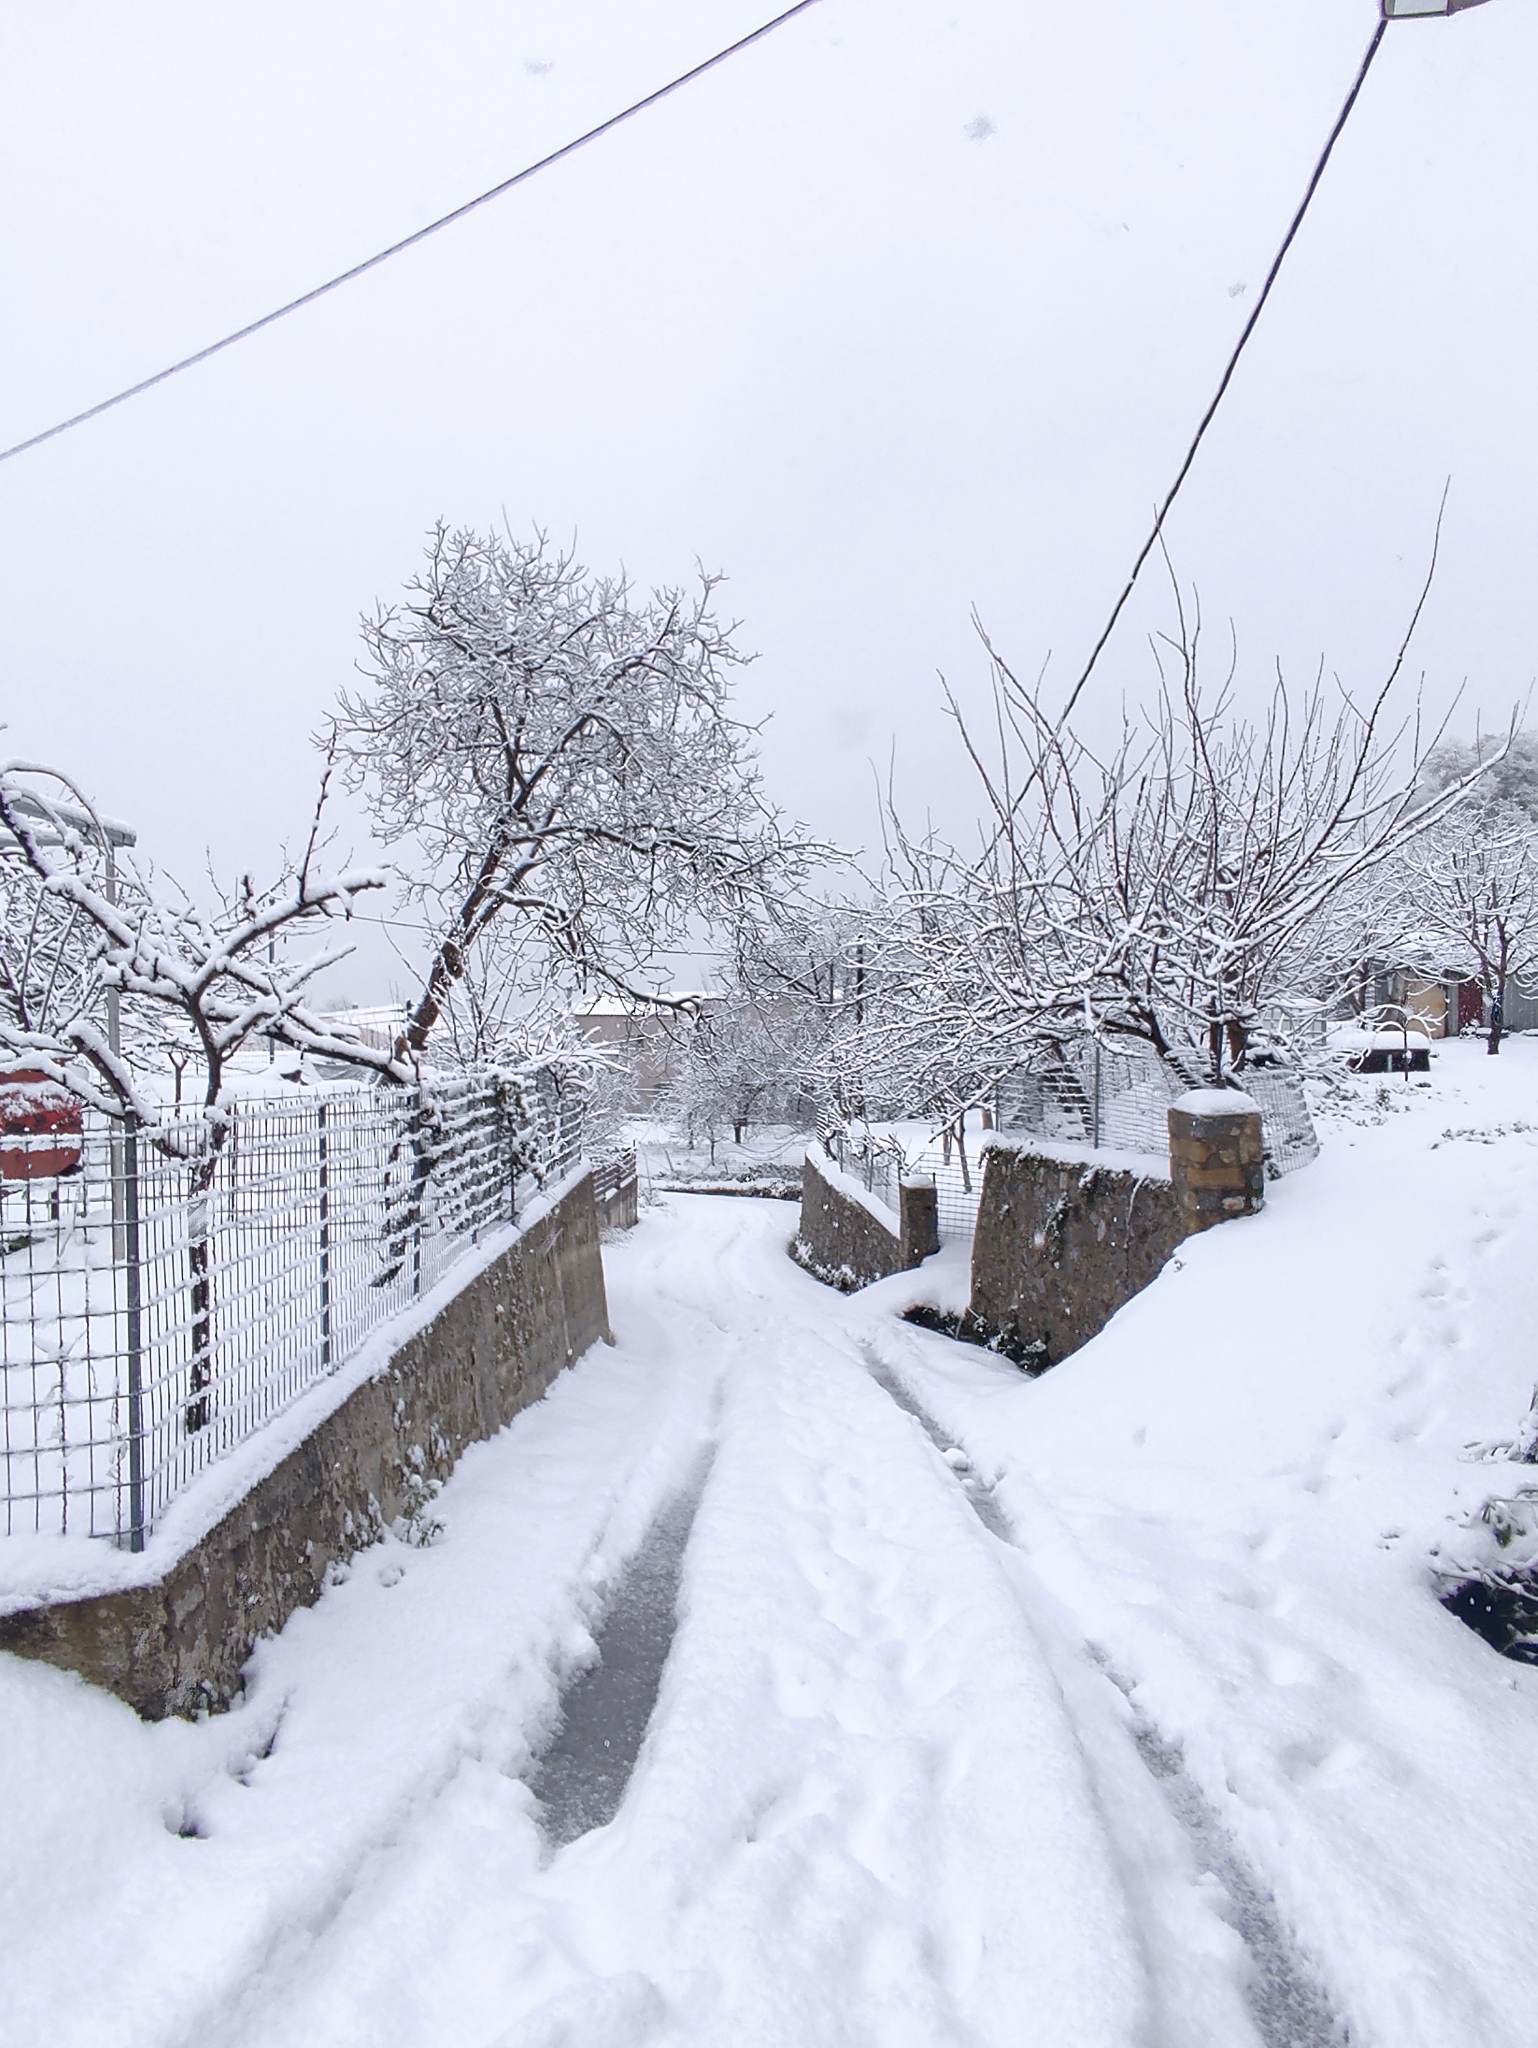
(129,1360)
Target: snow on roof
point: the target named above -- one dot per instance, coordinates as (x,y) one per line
(1380,1037)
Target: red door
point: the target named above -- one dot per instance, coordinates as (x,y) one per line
(1471,1006)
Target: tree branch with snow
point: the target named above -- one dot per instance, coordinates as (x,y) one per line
(561,751)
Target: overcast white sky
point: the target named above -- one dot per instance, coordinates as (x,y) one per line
(912,308)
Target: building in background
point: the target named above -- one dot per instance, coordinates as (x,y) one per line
(644,1038)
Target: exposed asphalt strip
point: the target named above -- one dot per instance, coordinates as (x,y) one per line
(580,1777)
(1288,2006)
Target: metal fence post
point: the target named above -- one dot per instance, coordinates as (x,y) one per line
(325,1239)
(132,1252)
(1095,1112)
(418,1195)
(295,1286)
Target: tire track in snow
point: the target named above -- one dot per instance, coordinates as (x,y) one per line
(981,1496)
(1287,2002)
(1287,2005)
(581,1777)
(495,1727)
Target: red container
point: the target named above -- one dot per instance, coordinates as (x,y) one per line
(40,1128)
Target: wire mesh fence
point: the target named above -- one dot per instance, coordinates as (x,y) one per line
(882,1157)
(873,1157)
(1108,1099)
(156,1311)
(953,1160)
(1118,1100)
(1086,1094)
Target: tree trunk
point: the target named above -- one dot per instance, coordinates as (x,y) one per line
(402,1235)
(200,1267)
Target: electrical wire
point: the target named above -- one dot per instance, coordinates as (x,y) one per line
(410,241)
(433,931)
(1154,538)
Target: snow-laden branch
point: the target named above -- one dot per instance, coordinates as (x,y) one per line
(563,751)
(1181,888)
(82,932)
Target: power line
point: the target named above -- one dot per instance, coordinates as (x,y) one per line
(1154,538)
(433,931)
(410,241)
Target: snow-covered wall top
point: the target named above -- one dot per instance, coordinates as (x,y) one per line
(1216,1102)
(853,1189)
(1073,1152)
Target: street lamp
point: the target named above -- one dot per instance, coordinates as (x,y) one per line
(1411,10)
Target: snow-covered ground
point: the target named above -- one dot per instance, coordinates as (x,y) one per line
(932,1706)
(665,1154)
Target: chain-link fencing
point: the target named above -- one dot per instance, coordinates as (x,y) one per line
(157,1311)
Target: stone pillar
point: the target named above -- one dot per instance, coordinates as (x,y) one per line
(1217,1157)
(919,1213)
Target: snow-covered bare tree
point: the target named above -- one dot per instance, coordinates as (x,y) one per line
(211,979)
(48,963)
(941,1022)
(215,976)
(1508,765)
(561,751)
(1470,890)
(811,970)
(734,1064)
(1168,890)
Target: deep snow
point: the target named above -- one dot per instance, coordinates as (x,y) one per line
(1112,1710)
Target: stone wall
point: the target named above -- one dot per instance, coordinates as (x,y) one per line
(1061,1245)
(181,1643)
(1217,1157)
(843,1241)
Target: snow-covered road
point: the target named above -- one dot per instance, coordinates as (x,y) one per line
(933,1707)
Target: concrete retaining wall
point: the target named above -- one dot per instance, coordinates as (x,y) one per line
(180,1643)
(1061,1245)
